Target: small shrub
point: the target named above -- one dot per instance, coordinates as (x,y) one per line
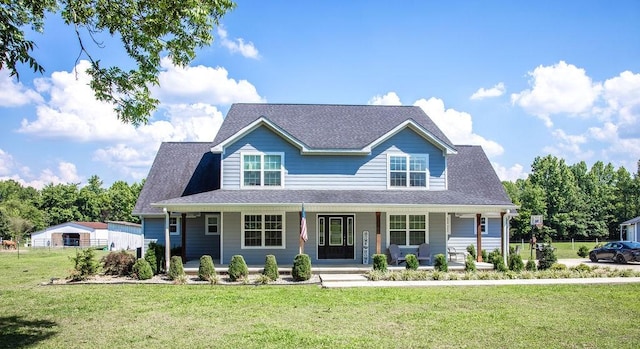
(142,269)
(472,250)
(380,262)
(176,269)
(470,263)
(158,250)
(206,270)
(581,268)
(484,255)
(150,257)
(263,279)
(411,261)
(493,257)
(515,263)
(440,263)
(531,265)
(498,264)
(85,265)
(558,267)
(271,268)
(181,279)
(238,268)
(301,270)
(376,275)
(118,263)
(583,251)
(547,257)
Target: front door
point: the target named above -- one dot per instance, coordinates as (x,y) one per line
(336,236)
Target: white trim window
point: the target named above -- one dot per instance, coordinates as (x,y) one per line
(174,225)
(262,231)
(484,226)
(262,170)
(408,171)
(212,224)
(408,230)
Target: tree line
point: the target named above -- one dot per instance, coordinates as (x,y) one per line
(24,210)
(575,201)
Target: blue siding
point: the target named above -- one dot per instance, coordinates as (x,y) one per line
(198,243)
(437,234)
(463,234)
(338,172)
(154,229)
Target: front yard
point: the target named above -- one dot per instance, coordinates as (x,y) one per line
(272,316)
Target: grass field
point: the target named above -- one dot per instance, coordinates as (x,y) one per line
(564,250)
(188,316)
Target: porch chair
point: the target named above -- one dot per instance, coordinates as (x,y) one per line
(396,255)
(454,253)
(424,253)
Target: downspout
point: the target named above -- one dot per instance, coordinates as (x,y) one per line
(167,248)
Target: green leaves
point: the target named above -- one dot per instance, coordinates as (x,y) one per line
(148,30)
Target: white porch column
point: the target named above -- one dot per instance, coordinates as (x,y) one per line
(167,248)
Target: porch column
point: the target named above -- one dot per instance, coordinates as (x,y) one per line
(503,239)
(167,240)
(479,237)
(378,236)
(183,234)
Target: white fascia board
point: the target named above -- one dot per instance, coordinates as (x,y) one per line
(334,207)
(419,129)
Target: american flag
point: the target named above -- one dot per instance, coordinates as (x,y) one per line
(303,225)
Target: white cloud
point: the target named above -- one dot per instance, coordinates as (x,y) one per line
(511,174)
(457,126)
(247,50)
(186,113)
(560,88)
(72,112)
(15,94)
(390,98)
(202,84)
(496,91)
(66,173)
(569,146)
(6,163)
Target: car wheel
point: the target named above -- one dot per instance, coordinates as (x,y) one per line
(593,258)
(620,259)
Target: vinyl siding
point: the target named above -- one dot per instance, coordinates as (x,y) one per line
(337,172)
(463,234)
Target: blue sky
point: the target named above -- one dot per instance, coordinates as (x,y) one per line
(522,79)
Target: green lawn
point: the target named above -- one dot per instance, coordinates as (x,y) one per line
(198,316)
(564,250)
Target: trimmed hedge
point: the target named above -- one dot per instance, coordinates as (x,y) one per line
(411,261)
(301,270)
(142,269)
(380,262)
(271,268)
(176,269)
(470,263)
(206,270)
(440,263)
(238,268)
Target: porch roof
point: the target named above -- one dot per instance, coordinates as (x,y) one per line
(446,200)
(631,221)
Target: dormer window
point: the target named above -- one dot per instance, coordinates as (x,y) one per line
(262,170)
(408,171)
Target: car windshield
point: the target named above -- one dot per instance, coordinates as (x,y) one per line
(632,244)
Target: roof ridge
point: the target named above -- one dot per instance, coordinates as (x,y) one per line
(328,104)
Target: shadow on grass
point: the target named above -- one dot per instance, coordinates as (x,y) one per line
(17,332)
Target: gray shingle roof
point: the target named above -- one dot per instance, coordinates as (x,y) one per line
(333,126)
(632,221)
(472,181)
(181,168)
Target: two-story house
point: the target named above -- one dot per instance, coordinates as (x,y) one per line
(368,176)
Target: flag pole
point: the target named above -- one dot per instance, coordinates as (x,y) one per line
(303,230)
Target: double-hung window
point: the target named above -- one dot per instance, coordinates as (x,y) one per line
(212,224)
(174,226)
(262,170)
(484,226)
(408,171)
(408,230)
(263,231)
